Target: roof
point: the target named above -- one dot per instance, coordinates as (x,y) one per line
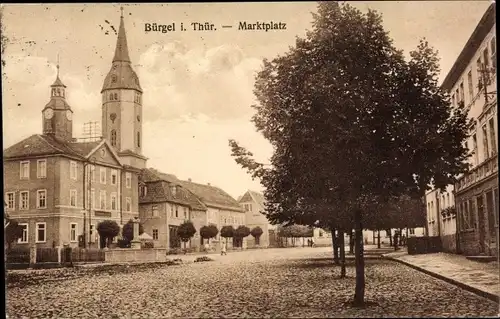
(58,103)
(37,145)
(207,195)
(121,75)
(212,196)
(480,32)
(159,189)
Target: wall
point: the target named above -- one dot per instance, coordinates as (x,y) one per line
(136,255)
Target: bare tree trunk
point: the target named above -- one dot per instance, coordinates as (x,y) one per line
(373,235)
(389,233)
(351,242)
(335,246)
(359,295)
(341,245)
(378,238)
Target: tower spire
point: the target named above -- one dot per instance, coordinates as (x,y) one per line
(121,51)
(57,65)
(58,81)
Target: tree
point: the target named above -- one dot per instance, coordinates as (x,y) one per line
(353,125)
(186,231)
(227,232)
(128,231)
(108,230)
(241,232)
(13,231)
(256,232)
(207,232)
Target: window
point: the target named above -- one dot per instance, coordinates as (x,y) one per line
(486,150)
(128,180)
(113,138)
(72,198)
(453,103)
(103,175)
(41,229)
(113,201)
(493,139)
(41,168)
(155,211)
(155,234)
(128,204)
(185,213)
(24,200)
(474,149)
(41,198)
(457,94)
(493,48)
(72,232)
(176,211)
(102,199)
(24,170)
(24,237)
(143,191)
(486,57)
(116,97)
(479,75)
(114,177)
(462,93)
(92,173)
(472,213)
(172,211)
(471,85)
(138,139)
(10,200)
(92,198)
(72,170)
(111,96)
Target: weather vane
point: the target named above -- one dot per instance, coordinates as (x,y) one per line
(121,9)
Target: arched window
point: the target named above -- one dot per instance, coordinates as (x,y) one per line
(138,139)
(53,92)
(116,96)
(113,137)
(111,97)
(58,92)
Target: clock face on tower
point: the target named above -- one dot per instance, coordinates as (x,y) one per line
(48,113)
(69,114)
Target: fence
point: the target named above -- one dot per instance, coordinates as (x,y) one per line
(424,245)
(87,255)
(18,255)
(44,255)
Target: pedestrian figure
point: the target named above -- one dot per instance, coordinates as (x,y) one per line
(207,247)
(308,242)
(312,242)
(396,235)
(223,250)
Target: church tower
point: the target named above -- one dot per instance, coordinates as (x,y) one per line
(57,114)
(122,105)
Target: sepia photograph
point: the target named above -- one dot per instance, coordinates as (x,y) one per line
(331,159)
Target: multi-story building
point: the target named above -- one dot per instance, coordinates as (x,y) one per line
(472,81)
(59,189)
(253,205)
(164,205)
(166,202)
(441,217)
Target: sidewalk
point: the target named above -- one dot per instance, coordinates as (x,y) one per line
(480,278)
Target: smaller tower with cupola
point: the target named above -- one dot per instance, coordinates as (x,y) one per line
(57,114)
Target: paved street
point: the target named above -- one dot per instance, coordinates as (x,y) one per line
(297,282)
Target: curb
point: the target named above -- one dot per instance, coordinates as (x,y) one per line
(477,291)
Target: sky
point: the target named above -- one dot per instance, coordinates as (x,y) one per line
(198,85)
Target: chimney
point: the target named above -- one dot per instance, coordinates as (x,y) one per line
(208,184)
(189,179)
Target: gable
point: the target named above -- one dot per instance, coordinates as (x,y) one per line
(104,154)
(246,198)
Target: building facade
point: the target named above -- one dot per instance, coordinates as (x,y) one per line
(472,81)
(59,189)
(254,207)
(441,217)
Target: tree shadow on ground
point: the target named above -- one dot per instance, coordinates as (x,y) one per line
(328,263)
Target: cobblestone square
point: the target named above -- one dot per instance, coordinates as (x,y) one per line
(285,283)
